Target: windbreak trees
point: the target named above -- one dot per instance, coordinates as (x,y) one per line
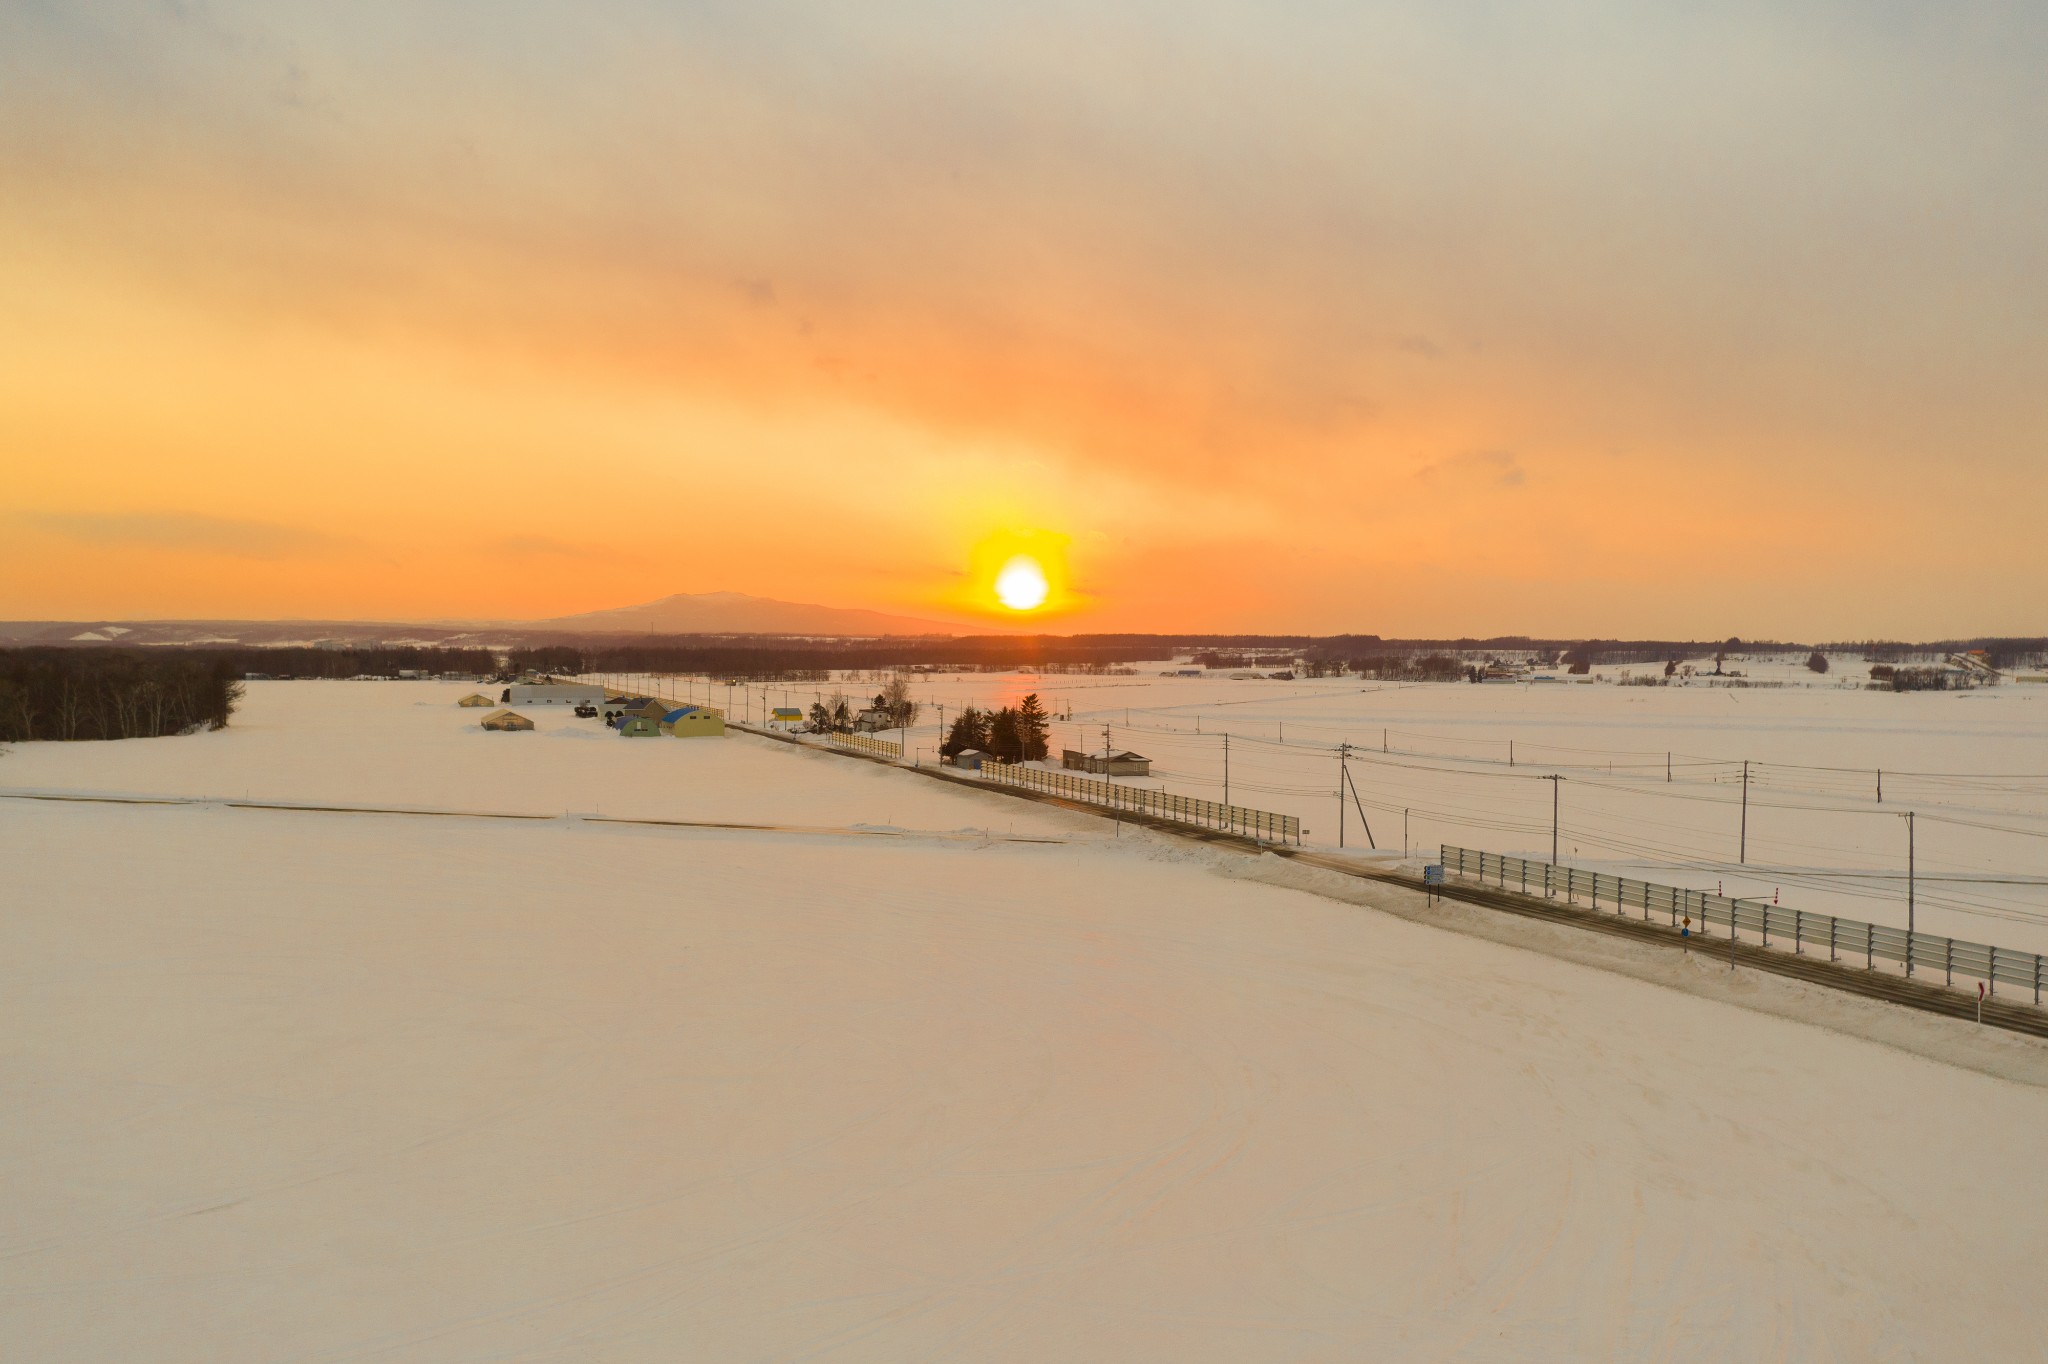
(969,730)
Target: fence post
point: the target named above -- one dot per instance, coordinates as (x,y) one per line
(1870,947)
(1948,962)
(1832,921)
(1992,973)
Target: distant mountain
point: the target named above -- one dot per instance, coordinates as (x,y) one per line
(736,613)
(703,613)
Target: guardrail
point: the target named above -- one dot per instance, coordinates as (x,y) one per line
(1738,914)
(1209,814)
(863,743)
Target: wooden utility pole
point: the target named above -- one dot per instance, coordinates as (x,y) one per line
(1909,894)
(1343,753)
(1553,779)
(1742,853)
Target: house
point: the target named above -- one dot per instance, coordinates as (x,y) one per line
(506,720)
(786,717)
(619,705)
(639,727)
(873,720)
(1124,764)
(475,698)
(551,693)
(694,722)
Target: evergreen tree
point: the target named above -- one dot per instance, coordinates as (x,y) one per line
(1004,739)
(1033,728)
(969,730)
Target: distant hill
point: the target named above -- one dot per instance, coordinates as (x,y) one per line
(702,613)
(736,613)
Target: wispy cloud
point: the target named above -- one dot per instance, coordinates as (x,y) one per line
(546,547)
(180,533)
(1500,468)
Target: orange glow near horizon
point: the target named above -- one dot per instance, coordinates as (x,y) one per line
(366,336)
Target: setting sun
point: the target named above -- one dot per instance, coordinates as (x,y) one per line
(1021,584)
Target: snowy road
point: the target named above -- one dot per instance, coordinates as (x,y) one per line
(284,1086)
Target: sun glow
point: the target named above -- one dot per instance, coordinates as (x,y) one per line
(1021,585)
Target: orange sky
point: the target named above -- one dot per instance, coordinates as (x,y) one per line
(1243,317)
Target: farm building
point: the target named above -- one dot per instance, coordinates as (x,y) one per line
(971,759)
(694,722)
(786,717)
(551,693)
(873,720)
(506,720)
(639,727)
(1124,764)
(475,698)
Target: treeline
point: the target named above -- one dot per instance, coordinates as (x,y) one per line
(386,660)
(1013,734)
(1406,668)
(815,660)
(2002,652)
(60,693)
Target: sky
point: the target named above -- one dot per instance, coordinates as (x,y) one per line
(1419,319)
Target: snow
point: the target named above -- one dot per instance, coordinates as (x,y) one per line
(1972,765)
(295,1084)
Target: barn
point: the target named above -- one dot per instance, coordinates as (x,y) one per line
(506,720)
(639,727)
(476,698)
(694,722)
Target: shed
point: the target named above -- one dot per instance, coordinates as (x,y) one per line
(476,698)
(694,722)
(970,758)
(786,717)
(1124,764)
(506,719)
(639,727)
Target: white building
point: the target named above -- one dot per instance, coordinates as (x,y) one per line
(552,694)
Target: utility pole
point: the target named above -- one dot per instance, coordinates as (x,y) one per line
(1553,779)
(1226,769)
(1343,753)
(1742,854)
(1909,894)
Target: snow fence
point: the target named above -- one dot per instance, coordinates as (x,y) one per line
(1804,930)
(1263,825)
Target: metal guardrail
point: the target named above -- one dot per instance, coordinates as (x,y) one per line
(881,748)
(1264,825)
(1803,929)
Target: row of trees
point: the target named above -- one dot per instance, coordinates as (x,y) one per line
(113,694)
(1020,733)
(1406,668)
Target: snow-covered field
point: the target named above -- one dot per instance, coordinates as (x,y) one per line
(1653,776)
(308,1085)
